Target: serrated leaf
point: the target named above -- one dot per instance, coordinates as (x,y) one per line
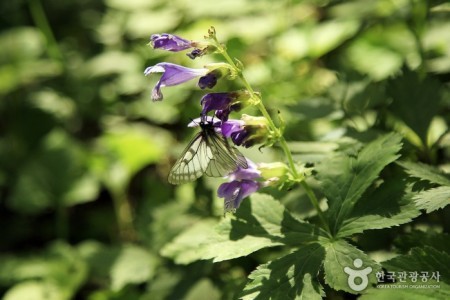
(433,199)
(344,179)
(426,259)
(260,222)
(293,276)
(340,255)
(425,172)
(389,205)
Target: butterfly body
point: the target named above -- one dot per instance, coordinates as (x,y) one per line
(208,153)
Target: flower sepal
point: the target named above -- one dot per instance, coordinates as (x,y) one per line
(224,69)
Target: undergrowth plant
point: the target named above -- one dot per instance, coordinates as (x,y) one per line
(365,186)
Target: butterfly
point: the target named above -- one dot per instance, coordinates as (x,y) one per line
(208,153)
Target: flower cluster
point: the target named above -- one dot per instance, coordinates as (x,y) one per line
(247,131)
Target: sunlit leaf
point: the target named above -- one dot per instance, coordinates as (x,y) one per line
(433,199)
(293,276)
(425,172)
(341,255)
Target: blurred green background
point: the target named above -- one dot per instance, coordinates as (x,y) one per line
(85,206)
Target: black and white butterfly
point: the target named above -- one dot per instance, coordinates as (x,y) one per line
(208,153)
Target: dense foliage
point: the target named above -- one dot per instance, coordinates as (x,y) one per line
(359,89)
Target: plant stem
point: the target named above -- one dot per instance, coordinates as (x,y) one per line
(41,21)
(257,98)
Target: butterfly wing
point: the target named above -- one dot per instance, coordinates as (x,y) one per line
(193,162)
(210,153)
(225,158)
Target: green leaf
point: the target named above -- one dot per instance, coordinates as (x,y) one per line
(204,289)
(344,179)
(133,265)
(35,290)
(426,259)
(259,223)
(293,276)
(56,176)
(415,101)
(340,255)
(128,264)
(125,150)
(59,269)
(381,50)
(433,199)
(425,172)
(389,205)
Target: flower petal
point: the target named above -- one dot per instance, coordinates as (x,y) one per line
(231,126)
(234,192)
(172,75)
(169,42)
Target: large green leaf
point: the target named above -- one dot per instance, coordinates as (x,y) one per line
(293,276)
(389,205)
(426,259)
(433,199)
(260,222)
(344,179)
(341,255)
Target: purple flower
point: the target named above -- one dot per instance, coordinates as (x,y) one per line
(243,182)
(172,75)
(170,42)
(223,103)
(209,80)
(246,132)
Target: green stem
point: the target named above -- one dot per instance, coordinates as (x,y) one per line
(124,216)
(254,96)
(40,19)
